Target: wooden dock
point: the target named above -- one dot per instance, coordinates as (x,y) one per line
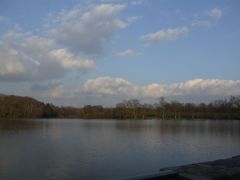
(222,169)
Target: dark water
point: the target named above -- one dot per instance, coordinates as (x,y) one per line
(107,149)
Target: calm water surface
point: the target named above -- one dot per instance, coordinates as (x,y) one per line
(108,149)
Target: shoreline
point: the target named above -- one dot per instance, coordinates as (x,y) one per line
(147,119)
(228,169)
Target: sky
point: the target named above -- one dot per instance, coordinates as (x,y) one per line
(105,51)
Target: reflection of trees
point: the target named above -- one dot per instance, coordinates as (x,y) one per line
(132,126)
(163,127)
(20,125)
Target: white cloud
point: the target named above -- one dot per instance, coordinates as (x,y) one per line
(215,13)
(122,87)
(109,90)
(65,16)
(202,23)
(87,30)
(108,85)
(210,19)
(27,57)
(129,53)
(55,50)
(166,34)
(71,62)
(101,12)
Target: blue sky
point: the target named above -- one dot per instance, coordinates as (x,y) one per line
(101,52)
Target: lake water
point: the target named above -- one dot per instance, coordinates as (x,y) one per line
(108,149)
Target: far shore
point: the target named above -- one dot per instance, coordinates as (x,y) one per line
(17,107)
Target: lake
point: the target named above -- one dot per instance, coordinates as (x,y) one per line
(107,149)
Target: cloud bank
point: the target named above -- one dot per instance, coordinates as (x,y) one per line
(27,57)
(166,34)
(87,31)
(205,87)
(63,40)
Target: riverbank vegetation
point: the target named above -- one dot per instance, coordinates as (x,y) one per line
(25,107)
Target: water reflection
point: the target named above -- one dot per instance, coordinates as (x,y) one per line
(211,127)
(214,127)
(19,125)
(103,149)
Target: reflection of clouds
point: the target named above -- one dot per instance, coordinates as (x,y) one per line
(104,149)
(185,141)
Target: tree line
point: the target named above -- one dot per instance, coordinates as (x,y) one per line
(25,107)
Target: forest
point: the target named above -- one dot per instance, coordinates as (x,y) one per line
(17,107)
